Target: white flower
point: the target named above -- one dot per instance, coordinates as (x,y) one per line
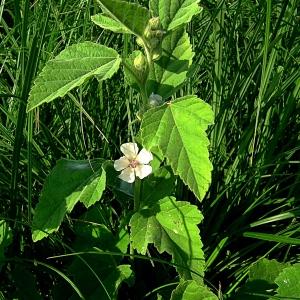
(133,163)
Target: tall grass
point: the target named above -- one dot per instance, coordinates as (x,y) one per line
(246,66)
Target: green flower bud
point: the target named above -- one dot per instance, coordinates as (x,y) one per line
(155,100)
(154,43)
(154,23)
(159,34)
(140,63)
(156,53)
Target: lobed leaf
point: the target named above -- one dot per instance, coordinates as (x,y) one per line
(70,69)
(132,16)
(178,129)
(288,282)
(171,69)
(174,13)
(191,290)
(172,226)
(108,23)
(69,182)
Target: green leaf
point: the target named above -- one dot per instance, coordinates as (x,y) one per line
(178,129)
(191,290)
(288,282)
(5,239)
(107,22)
(131,15)
(172,226)
(90,235)
(174,13)
(25,283)
(170,71)
(113,281)
(261,280)
(70,69)
(69,182)
(158,185)
(266,270)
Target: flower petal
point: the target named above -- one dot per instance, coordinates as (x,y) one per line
(142,171)
(121,163)
(130,150)
(127,175)
(144,157)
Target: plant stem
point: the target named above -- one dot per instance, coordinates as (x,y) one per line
(137,193)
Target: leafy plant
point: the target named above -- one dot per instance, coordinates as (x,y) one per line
(241,57)
(174,131)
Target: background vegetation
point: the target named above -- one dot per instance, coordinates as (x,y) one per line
(246,65)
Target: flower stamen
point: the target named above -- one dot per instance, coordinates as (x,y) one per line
(133,163)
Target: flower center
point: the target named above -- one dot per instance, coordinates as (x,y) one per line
(133,163)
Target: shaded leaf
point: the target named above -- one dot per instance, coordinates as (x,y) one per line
(172,227)
(266,270)
(69,182)
(90,235)
(174,13)
(191,290)
(113,281)
(25,283)
(108,23)
(133,16)
(178,129)
(261,280)
(70,69)
(171,69)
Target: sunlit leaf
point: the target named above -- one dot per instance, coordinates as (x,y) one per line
(69,182)
(178,129)
(191,290)
(174,13)
(108,23)
(170,70)
(70,69)
(172,227)
(288,282)
(133,16)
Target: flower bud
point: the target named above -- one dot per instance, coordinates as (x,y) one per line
(154,43)
(156,53)
(159,34)
(140,62)
(154,23)
(155,100)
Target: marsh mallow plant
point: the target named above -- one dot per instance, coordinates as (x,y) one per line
(172,136)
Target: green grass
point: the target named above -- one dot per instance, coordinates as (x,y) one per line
(246,66)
